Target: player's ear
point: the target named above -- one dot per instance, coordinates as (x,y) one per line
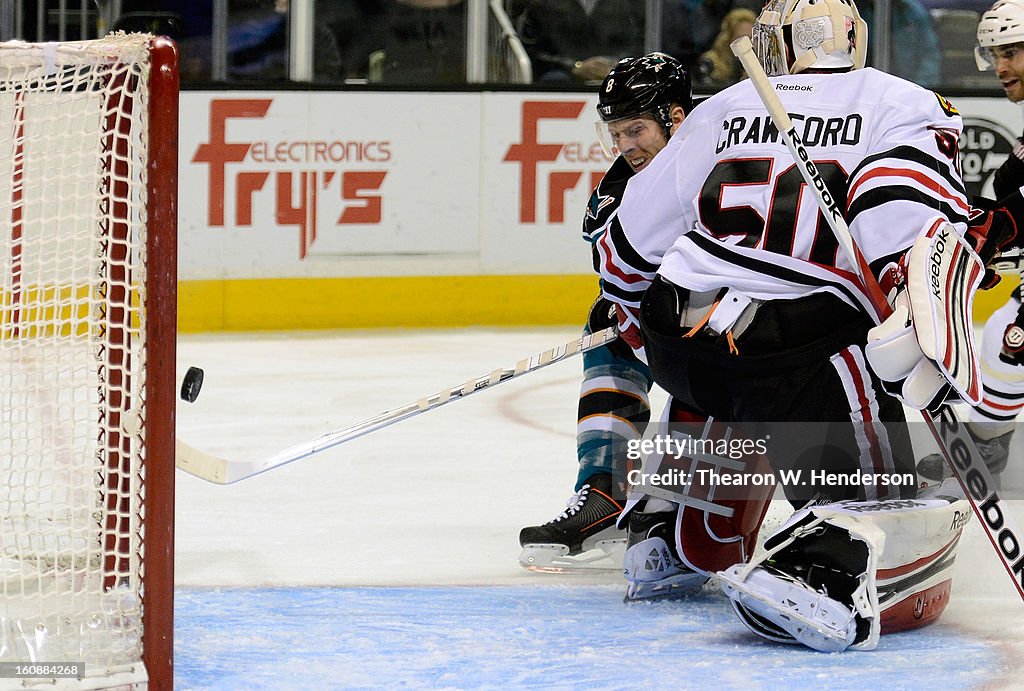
(677,114)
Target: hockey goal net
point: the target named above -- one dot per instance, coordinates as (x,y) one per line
(88,161)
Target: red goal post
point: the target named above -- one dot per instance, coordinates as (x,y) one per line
(88,276)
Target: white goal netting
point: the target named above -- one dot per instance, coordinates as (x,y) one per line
(73,352)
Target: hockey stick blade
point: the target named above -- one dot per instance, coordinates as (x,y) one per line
(956,446)
(223,471)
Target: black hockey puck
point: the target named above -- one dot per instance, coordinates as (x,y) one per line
(191,385)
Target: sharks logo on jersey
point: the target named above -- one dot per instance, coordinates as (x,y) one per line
(597,203)
(605,199)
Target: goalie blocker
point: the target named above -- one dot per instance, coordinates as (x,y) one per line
(926,352)
(927,346)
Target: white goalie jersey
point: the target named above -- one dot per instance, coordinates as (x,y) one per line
(725,205)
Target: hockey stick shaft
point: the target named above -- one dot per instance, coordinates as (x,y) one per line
(955,444)
(224,471)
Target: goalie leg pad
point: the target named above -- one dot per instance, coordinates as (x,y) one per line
(837,576)
(814,584)
(787,610)
(714,526)
(709,542)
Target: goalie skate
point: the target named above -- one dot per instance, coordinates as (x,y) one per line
(651,566)
(670,588)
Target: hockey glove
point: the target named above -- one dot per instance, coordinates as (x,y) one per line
(994,229)
(629,330)
(1012,351)
(895,355)
(925,350)
(988,233)
(602,315)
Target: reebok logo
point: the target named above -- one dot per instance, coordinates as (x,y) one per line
(984,497)
(936,261)
(959,520)
(794,87)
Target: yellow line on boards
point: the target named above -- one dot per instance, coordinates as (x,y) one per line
(403,301)
(988,301)
(410,301)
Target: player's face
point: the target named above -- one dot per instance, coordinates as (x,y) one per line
(1009,66)
(637,139)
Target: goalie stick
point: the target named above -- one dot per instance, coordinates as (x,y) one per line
(956,446)
(224,471)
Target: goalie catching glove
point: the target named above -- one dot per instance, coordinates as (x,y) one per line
(925,352)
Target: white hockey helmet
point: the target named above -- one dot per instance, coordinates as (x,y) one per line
(1001,25)
(791,36)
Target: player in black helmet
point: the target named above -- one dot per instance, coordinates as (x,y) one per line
(641,103)
(635,93)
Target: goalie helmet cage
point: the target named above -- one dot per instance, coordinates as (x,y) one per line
(88,219)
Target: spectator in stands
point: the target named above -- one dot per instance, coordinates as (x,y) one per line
(916,53)
(257,45)
(578,40)
(188,23)
(688,27)
(687,30)
(352,24)
(419,42)
(718,66)
(258,42)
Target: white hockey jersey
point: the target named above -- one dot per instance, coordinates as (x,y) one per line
(725,205)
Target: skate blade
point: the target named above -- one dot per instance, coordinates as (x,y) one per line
(672,588)
(605,555)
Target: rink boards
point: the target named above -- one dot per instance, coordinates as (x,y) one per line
(329,209)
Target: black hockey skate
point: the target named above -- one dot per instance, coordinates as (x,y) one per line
(932,469)
(583,536)
(651,565)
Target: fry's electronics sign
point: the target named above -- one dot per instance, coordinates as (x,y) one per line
(496,182)
(550,169)
(308,183)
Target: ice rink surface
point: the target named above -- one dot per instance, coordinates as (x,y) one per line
(391,560)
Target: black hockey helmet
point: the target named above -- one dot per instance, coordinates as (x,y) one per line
(648,84)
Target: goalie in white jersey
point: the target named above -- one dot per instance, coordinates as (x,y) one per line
(751,314)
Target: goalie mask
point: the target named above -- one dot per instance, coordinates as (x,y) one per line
(645,86)
(1001,25)
(791,36)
